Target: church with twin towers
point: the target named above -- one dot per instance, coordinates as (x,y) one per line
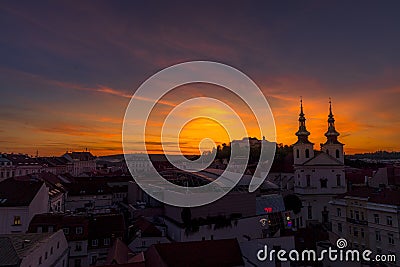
(319,174)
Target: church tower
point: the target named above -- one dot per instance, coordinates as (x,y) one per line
(303,149)
(332,146)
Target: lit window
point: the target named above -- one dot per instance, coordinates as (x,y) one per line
(17,220)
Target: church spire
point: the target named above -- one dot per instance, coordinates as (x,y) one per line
(331,134)
(302,133)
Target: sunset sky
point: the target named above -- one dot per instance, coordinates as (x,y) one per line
(68,69)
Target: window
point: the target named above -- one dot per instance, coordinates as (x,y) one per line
(40,260)
(308,178)
(78,263)
(376,218)
(66,231)
(51,251)
(297,153)
(79,230)
(78,246)
(51,229)
(324,183)
(357,214)
(362,232)
(340,227)
(337,153)
(338,180)
(351,214)
(350,230)
(58,245)
(339,212)
(327,151)
(45,255)
(389,220)
(307,153)
(106,241)
(309,212)
(355,232)
(93,259)
(378,236)
(362,216)
(95,242)
(391,239)
(17,220)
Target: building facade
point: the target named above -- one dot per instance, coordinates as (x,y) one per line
(368,218)
(19,202)
(319,175)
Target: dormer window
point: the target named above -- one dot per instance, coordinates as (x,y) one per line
(307,153)
(337,153)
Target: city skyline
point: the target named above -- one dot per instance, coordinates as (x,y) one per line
(66,78)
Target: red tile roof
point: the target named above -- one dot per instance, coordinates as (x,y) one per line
(119,253)
(147,228)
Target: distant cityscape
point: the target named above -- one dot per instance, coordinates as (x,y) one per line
(80,210)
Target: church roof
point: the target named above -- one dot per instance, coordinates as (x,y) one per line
(322,159)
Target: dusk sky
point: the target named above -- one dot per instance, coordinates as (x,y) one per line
(68,69)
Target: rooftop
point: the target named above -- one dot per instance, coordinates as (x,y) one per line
(18,193)
(14,247)
(373,195)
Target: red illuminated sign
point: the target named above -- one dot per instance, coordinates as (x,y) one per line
(268,209)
